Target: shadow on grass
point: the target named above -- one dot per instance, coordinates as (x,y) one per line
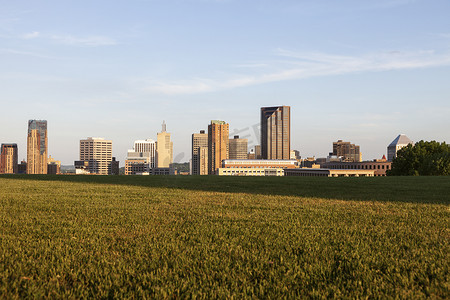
(393,189)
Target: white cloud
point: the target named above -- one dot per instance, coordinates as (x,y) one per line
(298,65)
(89,41)
(31,35)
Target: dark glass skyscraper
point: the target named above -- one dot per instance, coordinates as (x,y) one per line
(276,132)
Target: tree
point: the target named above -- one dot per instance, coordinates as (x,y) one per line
(424,158)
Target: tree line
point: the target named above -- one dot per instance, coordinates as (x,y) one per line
(423,158)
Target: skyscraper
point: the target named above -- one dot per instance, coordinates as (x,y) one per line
(275,132)
(238,148)
(37,147)
(164,149)
(8,159)
(97,152)
(200,153)
(218,135)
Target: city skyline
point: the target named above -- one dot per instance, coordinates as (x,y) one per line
(355,70)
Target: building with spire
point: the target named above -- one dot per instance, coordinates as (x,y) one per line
(37,147)
(397,144)
(164,148)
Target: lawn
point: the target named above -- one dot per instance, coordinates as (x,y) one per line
(222,237)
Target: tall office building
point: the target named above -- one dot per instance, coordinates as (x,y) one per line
(37,147)
(142,158)
(8,159)
(349,152)
(238,148)
(200,153)
(96,153)
(397,144)
(164,149)
(276,132)
(218,138)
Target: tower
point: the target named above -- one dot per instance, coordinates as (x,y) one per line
(238,148)
(164,148)
(8,159)
(218,133)
(37,147)
(97,152)
(275,132)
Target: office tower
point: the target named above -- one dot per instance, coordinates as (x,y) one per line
(37,147)
(258,152)
(238,148)
(115,166)
(397,144)
(218,133)
(142,158)
(8,159)
(200,153)
(275,132)
(164,149)
(349,152)
(97,152)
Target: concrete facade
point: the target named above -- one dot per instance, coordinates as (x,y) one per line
(328,172)
(260,163)
(378,166)
(238,148)
(97,152)
(250,172)
(398,143)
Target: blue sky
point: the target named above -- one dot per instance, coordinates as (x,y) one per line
(361,71)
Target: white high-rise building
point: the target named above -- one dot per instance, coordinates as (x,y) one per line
(142,158)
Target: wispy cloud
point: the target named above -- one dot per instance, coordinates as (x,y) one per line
(89,41)
(67,39)
(293,65)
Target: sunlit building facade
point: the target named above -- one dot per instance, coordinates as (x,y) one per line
(37,147)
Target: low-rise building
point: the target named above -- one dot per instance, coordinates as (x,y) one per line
(380,166)
(250,171)
(328,172)
(260,163)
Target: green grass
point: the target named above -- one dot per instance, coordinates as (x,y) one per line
(173,237)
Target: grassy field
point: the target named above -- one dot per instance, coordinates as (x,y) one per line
(209,237)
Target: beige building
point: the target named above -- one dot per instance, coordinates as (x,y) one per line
(260,163)
(8,159)
(37,147)
(250,172)
(349,152)
(53,166)
(379,166)
(237,148)
(218,135)
(164,149)
(97,152)
(275,132)
(200,153)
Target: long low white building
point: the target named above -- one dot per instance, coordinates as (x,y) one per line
(250,171)
(329,172)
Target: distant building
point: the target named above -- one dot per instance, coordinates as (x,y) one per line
(237,148)
(37,147)
(22,167)
(397,144)
(295,154)
(114,166)
(258,152)
(53,166)
(142,158)
(164,149)
(8,159)
(260,163)
(349,152)
(218,143)
(315,172)
(276,132)
(95,156)
(200,153)
(379,166)
(250,172)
